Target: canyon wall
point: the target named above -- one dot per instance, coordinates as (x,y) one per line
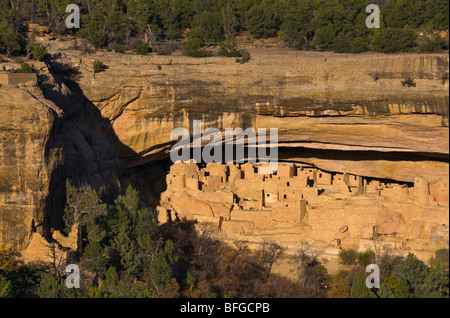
(28,164)
(44,141)
(340,113)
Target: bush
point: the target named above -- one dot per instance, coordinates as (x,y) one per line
(436,284)
(347,257)
(347,43)
(166,47)
(25,68)
(39,52)
(229,48)
(403,289)
(118,48)
(228,53)
(142,49)
(409,82)
(340,287)
(209,25)
(414,271)
(245,57)
(365,258)
(385,292)
(442,255)
(99,66)
(391,40)
(376,77)
(359,288)
(325,37)
(5,287)
(193,45)
(87,49)
(437,45)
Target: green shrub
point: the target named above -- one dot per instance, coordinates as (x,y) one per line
(142,49)
(409,82)
(385,292)
(229,48)
(38,52)
(436,284)
(118,48)
(442,255)
(72,78)
(245,57)
(5,287)
(437,45)
(365,258)
(99,66)
(193,45)
(228,53)
(359,288)
(347,257)
(209,25)
(391,40)
(414,271)
(25,68)
(403,289)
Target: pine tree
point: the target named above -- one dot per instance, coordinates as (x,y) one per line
(414,271)
(193,45)
(403,289)
(359,288)
(385,292)
(436,284)
(5,287)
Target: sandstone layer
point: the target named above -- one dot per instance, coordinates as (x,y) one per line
(27,162)
(341,113)
(43,142)
(322,101)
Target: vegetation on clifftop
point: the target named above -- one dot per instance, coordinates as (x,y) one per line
(337,25)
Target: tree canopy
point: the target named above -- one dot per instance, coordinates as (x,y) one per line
(337,25)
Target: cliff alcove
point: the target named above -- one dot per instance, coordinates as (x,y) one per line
(113,129)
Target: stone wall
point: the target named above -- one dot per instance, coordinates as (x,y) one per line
(304,204)
(17,78)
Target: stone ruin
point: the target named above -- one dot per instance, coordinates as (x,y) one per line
(300,203)
(7,78)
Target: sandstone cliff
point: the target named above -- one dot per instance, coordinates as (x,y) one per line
(28,162)
(339,112)
(331,102)
(43,142)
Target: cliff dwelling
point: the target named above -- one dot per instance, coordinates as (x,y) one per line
(300,203)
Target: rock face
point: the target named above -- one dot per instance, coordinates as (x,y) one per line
(322,98)
(43,142)
(340,113)
(337,111)
(28,163)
